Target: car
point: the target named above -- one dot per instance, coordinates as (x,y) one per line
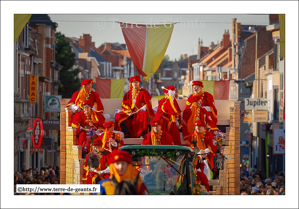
(165,169)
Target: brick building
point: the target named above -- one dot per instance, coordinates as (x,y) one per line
(35,55)
(269,83)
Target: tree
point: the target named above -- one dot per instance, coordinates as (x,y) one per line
(166,61)
(181,57)
(69,82)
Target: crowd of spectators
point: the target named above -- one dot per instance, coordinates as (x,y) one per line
(252,182)
(46,175)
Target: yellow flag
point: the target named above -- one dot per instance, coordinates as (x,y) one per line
(209,86)
(157,41)
(281,18)
(117,88)
(19,23)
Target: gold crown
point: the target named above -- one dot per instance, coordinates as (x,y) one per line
(116,157)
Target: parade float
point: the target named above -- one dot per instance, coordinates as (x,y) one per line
(178,159)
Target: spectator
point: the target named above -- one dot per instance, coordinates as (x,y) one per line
(56,169)
(245,171)
(28,181)
(269,186)
(281,191)
(279,182)
(275,175)
(243,181)
(249,180)
(270,192)
(256,191)
(243,191)
(252,170)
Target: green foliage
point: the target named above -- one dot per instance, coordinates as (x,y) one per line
(69,83)
(166,61)
(181,57)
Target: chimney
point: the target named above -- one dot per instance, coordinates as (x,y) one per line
(87,39)
(185,56)
(233,41)
(199,49)
(225,40)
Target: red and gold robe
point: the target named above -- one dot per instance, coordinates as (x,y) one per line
(139,122)
(92,177)
(202,144)
(104,137)
(80,96)
(80,119)
(167,112)
(193,113)
(151,138)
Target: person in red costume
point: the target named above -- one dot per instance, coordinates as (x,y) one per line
(168,112)
(92,167)
(201,178)
(108,143)
(157,136)
(124,178)
(84,122)
(136,109)
(86,93)
(203,139)
(199,106)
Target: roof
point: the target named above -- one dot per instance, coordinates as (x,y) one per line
(117,45)
(42,19)
(96,55)
(77,49)
(122,52)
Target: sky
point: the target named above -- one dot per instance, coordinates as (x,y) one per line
(184,40)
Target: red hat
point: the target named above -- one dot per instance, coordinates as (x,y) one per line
(109,124)
(135,78)
(97,142)
(172,88)
(199,123)
(87,102)
(199,83)
(155,122)
(119,155)
(86,81)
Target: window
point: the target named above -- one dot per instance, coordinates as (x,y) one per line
(25,37)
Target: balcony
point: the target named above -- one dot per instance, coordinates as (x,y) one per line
(21,113)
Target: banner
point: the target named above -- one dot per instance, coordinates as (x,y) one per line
(52,103)
(110,88)
(279,142)
(38,133)
(248,116)
(147,45)
(281,18)
(260,116)
(256,104)
(51,124)
(20,20)
(33,89)
(46,143)
(220,90)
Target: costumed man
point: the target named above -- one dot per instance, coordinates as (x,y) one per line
(84,122)
(157,136)
(92,167)
(108,143)
(199,106)
(200,167)
(168,112)
(203,139)
(87,93)
(136,109)
(124,178)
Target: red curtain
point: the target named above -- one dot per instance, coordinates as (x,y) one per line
(221,90)
(103,87)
